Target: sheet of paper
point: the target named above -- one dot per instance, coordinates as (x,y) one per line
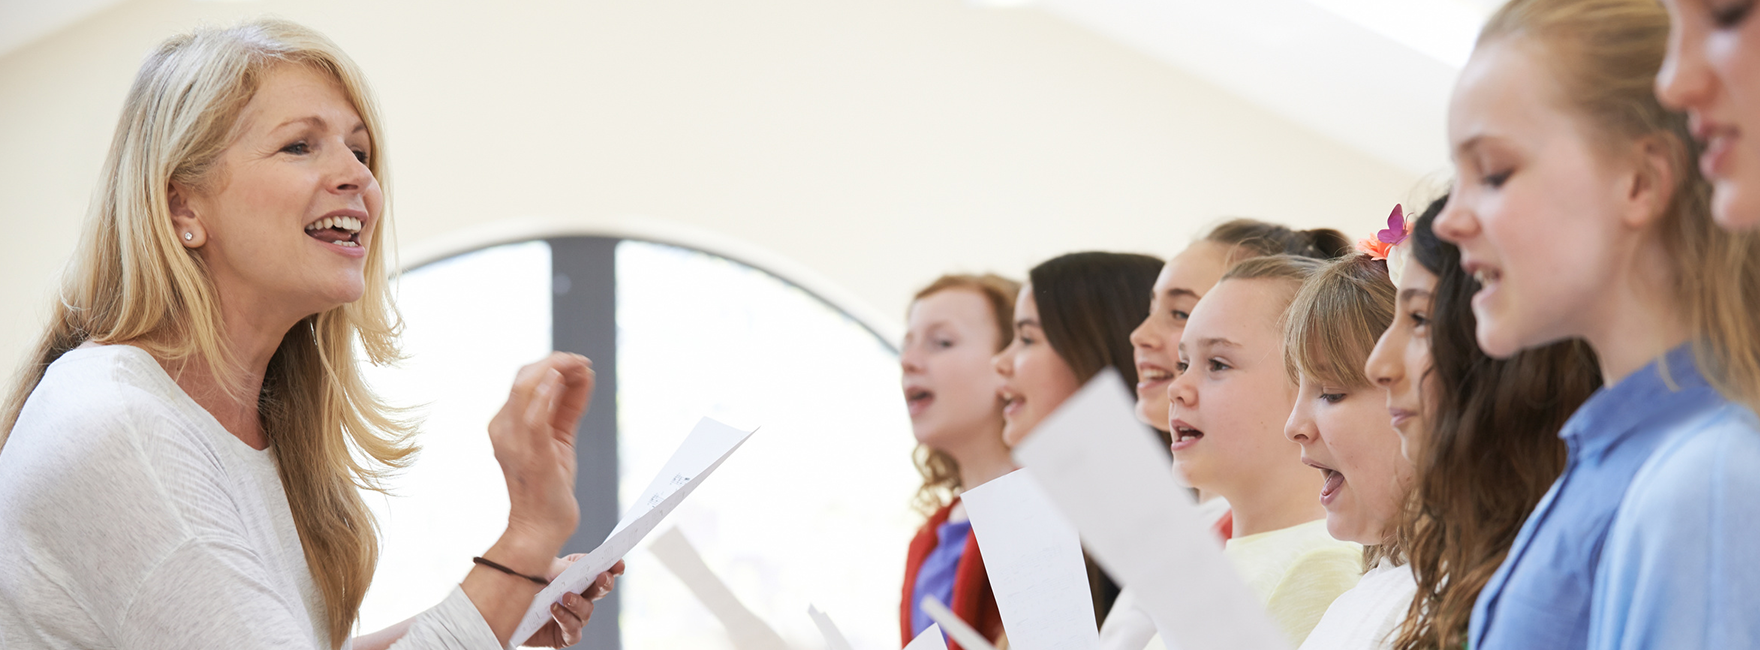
(744,628)
(930,639)
(1034,558)
(1105,472)
(708,444)
(961,632)
(833,637)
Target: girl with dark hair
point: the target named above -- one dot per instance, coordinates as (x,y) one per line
(1483,432)
(955,325)
(1155,344)
(1072,319)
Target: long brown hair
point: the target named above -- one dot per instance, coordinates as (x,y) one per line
(939,470)
(1604,56)
(1491,452)
(1088,305)
(1329,330)
(132,282)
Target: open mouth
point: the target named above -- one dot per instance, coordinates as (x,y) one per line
(918,400)
(1011,403)
(1486,276)
(1334,481)
(1184,435)
(342,231)
(1149,375)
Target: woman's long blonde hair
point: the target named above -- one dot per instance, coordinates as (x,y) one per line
(132,281)
(1605,54)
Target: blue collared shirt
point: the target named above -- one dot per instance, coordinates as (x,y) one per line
(1588,555)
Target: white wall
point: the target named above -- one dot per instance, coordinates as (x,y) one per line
(875,143)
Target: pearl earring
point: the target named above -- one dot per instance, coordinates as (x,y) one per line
(188,236)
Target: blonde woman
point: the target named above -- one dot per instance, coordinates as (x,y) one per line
(182,452)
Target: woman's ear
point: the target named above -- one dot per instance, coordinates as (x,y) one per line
(1653,181)
(183,217)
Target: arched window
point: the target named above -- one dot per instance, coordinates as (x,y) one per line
(813,509)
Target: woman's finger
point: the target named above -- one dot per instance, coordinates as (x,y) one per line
(601,586)
(575,394)
(568,624)
(524,384)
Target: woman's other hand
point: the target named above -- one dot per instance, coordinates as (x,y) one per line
(534,440)
(569,616)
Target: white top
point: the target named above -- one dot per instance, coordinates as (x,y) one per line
(1127,626)
(1366,617)
(129,518)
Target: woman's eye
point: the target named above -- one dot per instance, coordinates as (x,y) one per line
(1216,365)
(1419,320)
(1332,398)
(361,156)
(1495,180)
(1180,367)
(298,148)
(1181,315)
(943,344)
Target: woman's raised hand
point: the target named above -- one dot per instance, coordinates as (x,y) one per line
(534,436)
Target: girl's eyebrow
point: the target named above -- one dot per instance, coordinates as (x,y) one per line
(1181,291)
(1413,294)
(1217,342)
(1025,322)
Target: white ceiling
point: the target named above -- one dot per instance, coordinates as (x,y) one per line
(23,21)
(1372,74)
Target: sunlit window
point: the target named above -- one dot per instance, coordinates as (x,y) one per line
(814,509)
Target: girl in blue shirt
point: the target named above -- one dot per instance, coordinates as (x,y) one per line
(1578,210)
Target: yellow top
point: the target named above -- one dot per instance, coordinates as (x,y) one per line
(1297,572)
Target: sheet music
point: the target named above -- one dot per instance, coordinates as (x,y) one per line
(1103,470)
(707,446)
(962,632)
(833,637)
(1034,559)
(744,628)
(930,639)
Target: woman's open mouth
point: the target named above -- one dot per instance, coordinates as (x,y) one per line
(340,231)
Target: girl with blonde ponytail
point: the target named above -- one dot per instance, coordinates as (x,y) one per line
(181,455)
(1580,213)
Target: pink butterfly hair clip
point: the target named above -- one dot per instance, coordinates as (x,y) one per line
(1381,245)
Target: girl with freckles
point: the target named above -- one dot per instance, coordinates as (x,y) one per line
(1580,214)
(1229,405)
(1341,421)
(1155,344)
(955,325)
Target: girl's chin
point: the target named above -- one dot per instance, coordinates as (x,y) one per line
(1731,207)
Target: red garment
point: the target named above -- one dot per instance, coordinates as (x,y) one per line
(972,599)
(1224,526)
